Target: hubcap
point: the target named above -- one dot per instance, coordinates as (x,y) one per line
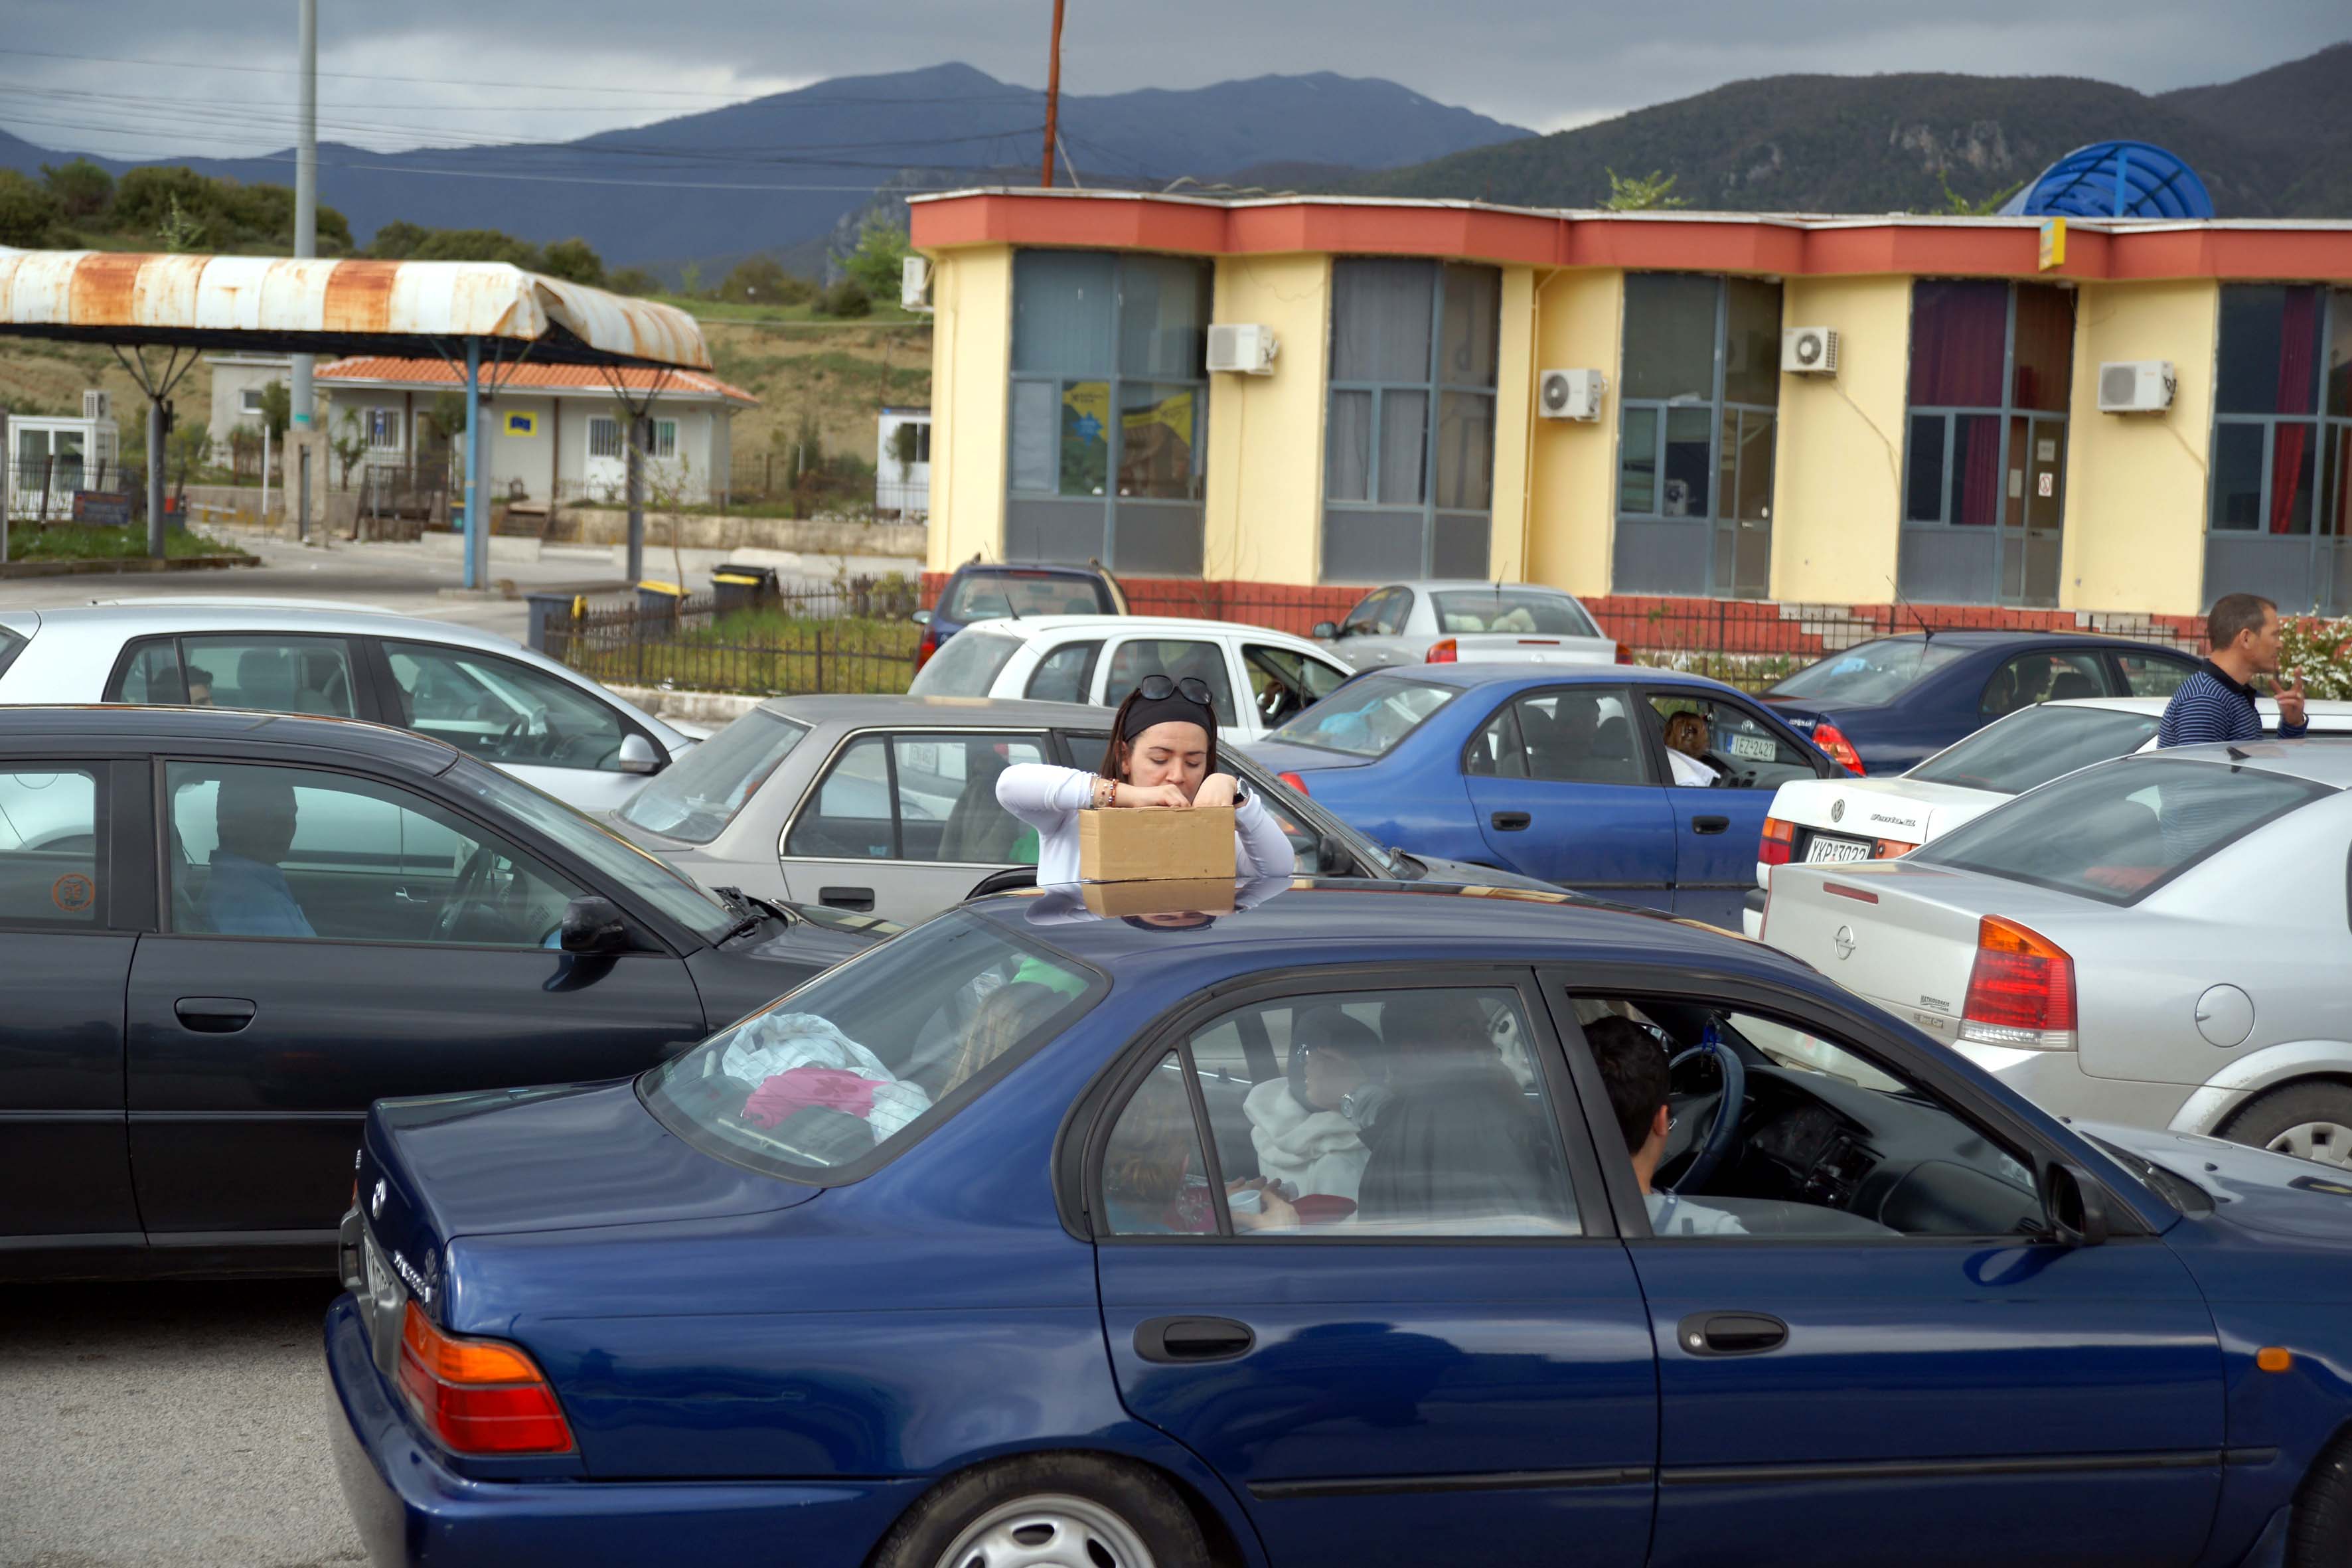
(2329,1142)
(1048,1531)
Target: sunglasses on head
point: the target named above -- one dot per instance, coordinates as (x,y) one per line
(1155,687)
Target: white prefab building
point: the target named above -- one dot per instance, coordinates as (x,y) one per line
(238,381)
(50,458)
(903,489)
(550,431)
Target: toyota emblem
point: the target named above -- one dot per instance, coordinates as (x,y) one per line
(375,1198)
(1843,941)
(1837,811)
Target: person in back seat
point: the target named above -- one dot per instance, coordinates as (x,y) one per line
(247,894)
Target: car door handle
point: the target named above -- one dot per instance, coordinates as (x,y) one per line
(859,899)
(214,1014)
(1710,823)
(1731,1334)
(1193,1338)
(1510,821)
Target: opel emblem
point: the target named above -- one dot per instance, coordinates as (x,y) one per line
(375,1198)
(1837,811)
(1843,941)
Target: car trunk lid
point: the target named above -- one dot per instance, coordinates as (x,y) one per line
(1528,647)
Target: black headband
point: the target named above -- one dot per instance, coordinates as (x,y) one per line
(1173,709)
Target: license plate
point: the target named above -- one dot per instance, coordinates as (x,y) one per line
(1760,747)
(1826,849)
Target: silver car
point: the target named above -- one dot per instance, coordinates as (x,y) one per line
(889,804)
(550,727)
(2160,941)
(1457,620)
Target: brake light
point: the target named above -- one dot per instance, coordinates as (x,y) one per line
(1832,739)
(2021,990)
(928,646)
(1295,782)
(1445,651)
(477,1395)
(1778,843)
(1624,653)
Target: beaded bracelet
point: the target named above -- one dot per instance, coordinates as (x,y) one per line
(1105,794)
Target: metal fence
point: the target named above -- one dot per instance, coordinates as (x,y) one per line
(858,636)
(44,489)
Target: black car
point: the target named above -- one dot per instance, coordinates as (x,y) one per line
(226,933)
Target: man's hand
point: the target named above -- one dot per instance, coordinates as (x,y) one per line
(2290,699)
(1217,789)
(1166,794)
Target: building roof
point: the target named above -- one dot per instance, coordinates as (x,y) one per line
(440,374)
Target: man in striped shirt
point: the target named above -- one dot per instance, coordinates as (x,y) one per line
(2217,703)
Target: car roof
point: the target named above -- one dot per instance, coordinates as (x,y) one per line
(120,727)
(1473,584)
(157,616)
(1981,637)
(2320,707)
(2324,762)
(1039,625)
(851,711)
(1471,675)
(1030,569)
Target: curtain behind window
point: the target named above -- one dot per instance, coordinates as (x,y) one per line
(1957,332)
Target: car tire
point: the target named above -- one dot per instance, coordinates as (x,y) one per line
(2319,1531)
(2312,1120)
(1111,1514)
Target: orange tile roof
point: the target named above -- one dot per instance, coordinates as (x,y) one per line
(529,377)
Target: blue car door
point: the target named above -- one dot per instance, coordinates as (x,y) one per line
(1883,1361)
(1565,789)
(1410,1338)
(1725,761)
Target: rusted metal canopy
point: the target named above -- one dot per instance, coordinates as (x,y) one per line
(273,304)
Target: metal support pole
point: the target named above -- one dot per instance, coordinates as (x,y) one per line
(635,461)
(306,189)
(478,534)
(5,496)
(302,492)
(154,476)
(264,518)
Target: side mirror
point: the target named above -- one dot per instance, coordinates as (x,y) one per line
(593,925)
(1324,631)
(639,756)
(922,617)
(2075,1204)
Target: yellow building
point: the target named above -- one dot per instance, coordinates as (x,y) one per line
(1643,407)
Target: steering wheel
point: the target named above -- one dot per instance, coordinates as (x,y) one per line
(1724,1130)
(540,745)
(470,882)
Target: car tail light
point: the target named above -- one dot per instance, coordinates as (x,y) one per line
(1624,653)
(929,645)
(2021,991)
(477,1395)
(1778,843)
(1295,782)
(1832,739)
(1890,849)
(1445,651)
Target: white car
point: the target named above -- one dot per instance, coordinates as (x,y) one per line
(520,712)
(1816,821)
(1461,620)
(1100,658)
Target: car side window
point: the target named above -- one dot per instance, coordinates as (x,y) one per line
(1367,617)
(502,711)
(1576,736)
(2152,675)
(1284,682)
(918,797)
(1065,674)
(1345,1114)
(1714,743)
(2043,677)
(258,671)
(52,840)
(291,852)
(1178,657)
(1498,751)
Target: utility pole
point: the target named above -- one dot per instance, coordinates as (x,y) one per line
(306,226)
(1053,96)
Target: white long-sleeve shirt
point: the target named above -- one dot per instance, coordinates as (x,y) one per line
(1049,799)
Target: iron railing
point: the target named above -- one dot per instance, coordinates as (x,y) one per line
(858,636)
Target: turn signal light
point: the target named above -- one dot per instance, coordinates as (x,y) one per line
(478,1396)
(1890,849)
(1778,843)
(1832,739)
(1445,650)
(1624,653)
(1295,782)
(2021,990)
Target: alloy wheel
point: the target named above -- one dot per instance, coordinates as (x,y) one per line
(2329,1142)
(1055,1532)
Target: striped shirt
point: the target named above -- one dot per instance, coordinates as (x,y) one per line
(2211,706)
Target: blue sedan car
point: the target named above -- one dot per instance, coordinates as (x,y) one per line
(1322,1226)
(1648,786)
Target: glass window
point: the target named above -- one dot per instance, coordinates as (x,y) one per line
(1381,613)
(1581,737)
(2114,832)
(2154,674)
(1066,674)
(1369,718)
(1637,464)
(2270,349)
(1159,452)
(2045,677)
(851,818)
(1163,319)
(50,831)
(384,428)
(1136,657)
(873,1054)
(918,797)
(967,665)
(1867,674)
(604,436)
(2029,749)
(1751,342)
(1958,340)
(991,595)
(264,672)
(695,798)
(249,400)
(1381,320)
(1528,611)
(1923,490)
(1155,1177)
(1718,744)
(1981,352)
(289,852)
(501,710)
(665,437)
(2238,478)
(1284,683)
(1670,337)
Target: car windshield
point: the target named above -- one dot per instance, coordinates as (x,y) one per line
(674,893)
(1868,674)
(966,666)
(985,596)
(2117,831)
(1514,610)
(873,1053)
(1367,717)
(695,798)
(2026,751)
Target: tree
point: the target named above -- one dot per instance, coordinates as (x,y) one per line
(403,241)
(179,231)
(689,280)
(27,211)
(761,280)
(188,446)
(83,190)
(845,298)
(573,261)
(397,240)
(276,410)
(875,264)
(449,414)
(1637,193)
(350,444)
(633,280)
(1958,206)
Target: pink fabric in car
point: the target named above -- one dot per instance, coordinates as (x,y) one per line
(796,1088)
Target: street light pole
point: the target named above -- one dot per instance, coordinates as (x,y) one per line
(306,213)
(1053,97)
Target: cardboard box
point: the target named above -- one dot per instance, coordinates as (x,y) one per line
(1212,897)
(1148,845)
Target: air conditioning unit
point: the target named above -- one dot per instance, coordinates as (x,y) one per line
(915,283)
(1570,393)
(1808,350)
(2137,386)
(1245,349)
(97,404)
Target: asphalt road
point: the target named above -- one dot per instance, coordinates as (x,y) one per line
(180,1425)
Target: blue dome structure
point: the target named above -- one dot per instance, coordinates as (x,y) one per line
(2115,179)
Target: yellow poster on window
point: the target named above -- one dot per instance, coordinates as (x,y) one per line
(521,425)
(1174,412)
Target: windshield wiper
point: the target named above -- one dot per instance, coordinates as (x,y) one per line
(750,913)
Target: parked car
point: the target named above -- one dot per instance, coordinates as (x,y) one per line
(997,1307)
(1846,819)
(224,935)
(1458,620)
(1883,706)
(1101,658)
(981,591)
(2160,940)
(889,804)
(1566,774)
(550,727)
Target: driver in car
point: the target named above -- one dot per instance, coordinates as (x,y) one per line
(248,895)
(1634,1069)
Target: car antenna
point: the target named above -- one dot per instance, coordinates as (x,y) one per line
(1926,632)
(2238,756)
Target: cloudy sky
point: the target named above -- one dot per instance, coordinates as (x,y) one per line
(214,78)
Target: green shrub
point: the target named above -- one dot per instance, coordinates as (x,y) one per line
(2319,649)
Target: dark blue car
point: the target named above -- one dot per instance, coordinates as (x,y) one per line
(1881,707)
(1302,1230)
(1644,785)
(987,591)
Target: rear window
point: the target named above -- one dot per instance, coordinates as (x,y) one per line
(872,1054)
(1514,610)
(1367,717)
(979,597)
(11,645)
(966,666)
(2027,750)
(2118,831)
(697,796)
(1868,674)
